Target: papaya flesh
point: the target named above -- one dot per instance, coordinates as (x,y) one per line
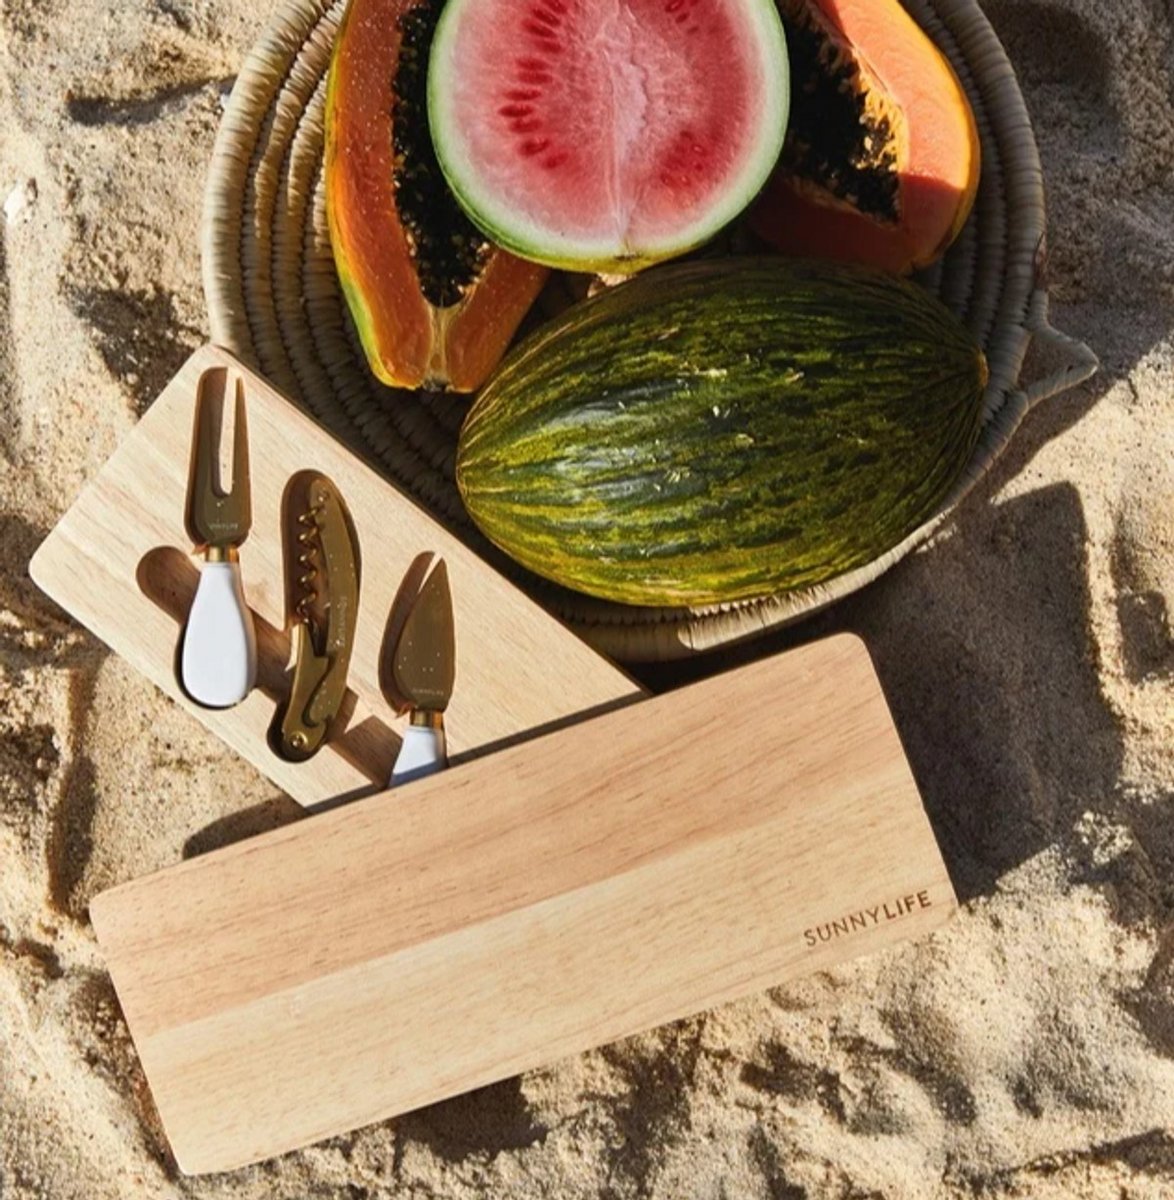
(433,301)
(881,162)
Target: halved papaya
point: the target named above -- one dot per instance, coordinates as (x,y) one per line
(881,160)
(434,302)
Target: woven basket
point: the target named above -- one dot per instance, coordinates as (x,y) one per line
(273,300)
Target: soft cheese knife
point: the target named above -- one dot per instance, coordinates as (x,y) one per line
(218,662)
(423,669)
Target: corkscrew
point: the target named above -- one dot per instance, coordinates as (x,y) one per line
(324,571)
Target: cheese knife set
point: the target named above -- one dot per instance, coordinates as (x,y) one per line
(595,861)
(218,655)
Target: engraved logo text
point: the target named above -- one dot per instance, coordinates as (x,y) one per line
(867,918)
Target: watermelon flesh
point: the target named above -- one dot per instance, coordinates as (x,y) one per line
(607,134)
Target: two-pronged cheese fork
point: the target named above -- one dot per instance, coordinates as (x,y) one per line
(218,662)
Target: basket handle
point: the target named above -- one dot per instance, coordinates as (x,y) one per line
(1065,361)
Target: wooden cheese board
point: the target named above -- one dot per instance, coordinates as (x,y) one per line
(564,892)
(121,563)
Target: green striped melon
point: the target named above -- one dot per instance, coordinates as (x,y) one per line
(715,431)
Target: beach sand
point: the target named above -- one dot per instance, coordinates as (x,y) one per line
(1025,1051)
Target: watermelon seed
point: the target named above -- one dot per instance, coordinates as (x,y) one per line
(543,36)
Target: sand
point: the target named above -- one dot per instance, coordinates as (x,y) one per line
(1025,1051)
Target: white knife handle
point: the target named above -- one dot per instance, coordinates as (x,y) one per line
(218,665)
(421,753)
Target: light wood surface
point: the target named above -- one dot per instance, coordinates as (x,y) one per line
(120,562)
(560,894)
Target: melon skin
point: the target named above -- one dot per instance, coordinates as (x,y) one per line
(545,168)
(722,430)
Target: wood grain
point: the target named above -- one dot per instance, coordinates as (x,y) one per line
(119,561)
(562,893)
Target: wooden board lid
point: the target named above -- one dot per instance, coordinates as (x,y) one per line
(565,892)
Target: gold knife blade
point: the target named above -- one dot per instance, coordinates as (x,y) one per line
(423,667)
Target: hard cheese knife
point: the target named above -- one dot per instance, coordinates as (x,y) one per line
(218,661)
(423,669)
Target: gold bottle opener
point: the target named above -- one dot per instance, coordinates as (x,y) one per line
(327,590)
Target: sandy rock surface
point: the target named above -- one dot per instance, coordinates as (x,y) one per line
(1025,1051)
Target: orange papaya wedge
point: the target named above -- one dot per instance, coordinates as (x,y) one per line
(434,303)
(881,161)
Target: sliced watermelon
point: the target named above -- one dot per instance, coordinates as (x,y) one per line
(605,135)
